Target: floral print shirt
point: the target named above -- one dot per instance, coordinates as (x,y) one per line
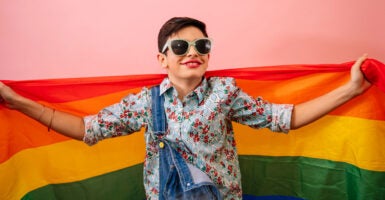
(199,127)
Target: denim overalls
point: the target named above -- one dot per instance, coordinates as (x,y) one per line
(177,178)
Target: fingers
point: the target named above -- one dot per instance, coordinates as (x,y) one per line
(357,79)
(360,60)
(2,101)
(355,71)
(1,98)
(2,91)
(363,57)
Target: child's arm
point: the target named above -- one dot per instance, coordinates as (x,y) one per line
(314,109)
(64,123)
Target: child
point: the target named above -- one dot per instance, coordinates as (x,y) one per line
(199,111)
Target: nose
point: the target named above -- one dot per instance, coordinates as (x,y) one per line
(192,51)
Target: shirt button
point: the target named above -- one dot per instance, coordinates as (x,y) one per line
(161,145)
(188,184)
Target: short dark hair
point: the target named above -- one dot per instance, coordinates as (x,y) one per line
(175,24)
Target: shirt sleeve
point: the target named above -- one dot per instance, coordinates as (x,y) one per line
(259,113)
(125,117)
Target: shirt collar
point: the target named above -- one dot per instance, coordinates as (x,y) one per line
(165,85)
(200,90)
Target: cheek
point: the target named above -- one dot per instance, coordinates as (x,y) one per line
(173,61)
(207,61)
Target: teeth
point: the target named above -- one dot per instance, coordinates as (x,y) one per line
(192,63)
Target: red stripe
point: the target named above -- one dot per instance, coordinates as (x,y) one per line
(283,72)
(70,89)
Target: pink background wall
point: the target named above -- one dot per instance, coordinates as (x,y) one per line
(80,38)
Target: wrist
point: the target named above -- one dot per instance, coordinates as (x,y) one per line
(25,105)
(351,90)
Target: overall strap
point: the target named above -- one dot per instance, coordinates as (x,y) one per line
(158,114)
(177,178)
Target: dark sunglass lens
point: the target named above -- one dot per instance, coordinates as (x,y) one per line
(203,46)
(179,47)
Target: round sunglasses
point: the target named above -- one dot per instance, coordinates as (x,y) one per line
(180,47)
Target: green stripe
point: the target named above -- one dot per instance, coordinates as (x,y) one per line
(309,178)
(301,177)
(122,184)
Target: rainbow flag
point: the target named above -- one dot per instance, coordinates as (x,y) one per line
(340,156)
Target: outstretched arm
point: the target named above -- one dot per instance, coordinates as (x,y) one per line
(314,109)
(64,123)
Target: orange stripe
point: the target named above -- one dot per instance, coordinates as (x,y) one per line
(294,90)
(369,105)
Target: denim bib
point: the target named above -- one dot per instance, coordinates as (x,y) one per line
(177,178)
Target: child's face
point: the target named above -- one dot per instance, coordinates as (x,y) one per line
(189,67)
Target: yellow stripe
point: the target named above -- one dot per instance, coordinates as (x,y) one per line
(67,161)
(357,141)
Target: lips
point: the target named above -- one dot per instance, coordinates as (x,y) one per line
(192,63)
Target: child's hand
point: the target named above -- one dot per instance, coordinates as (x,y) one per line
(357,78)
(7,96)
